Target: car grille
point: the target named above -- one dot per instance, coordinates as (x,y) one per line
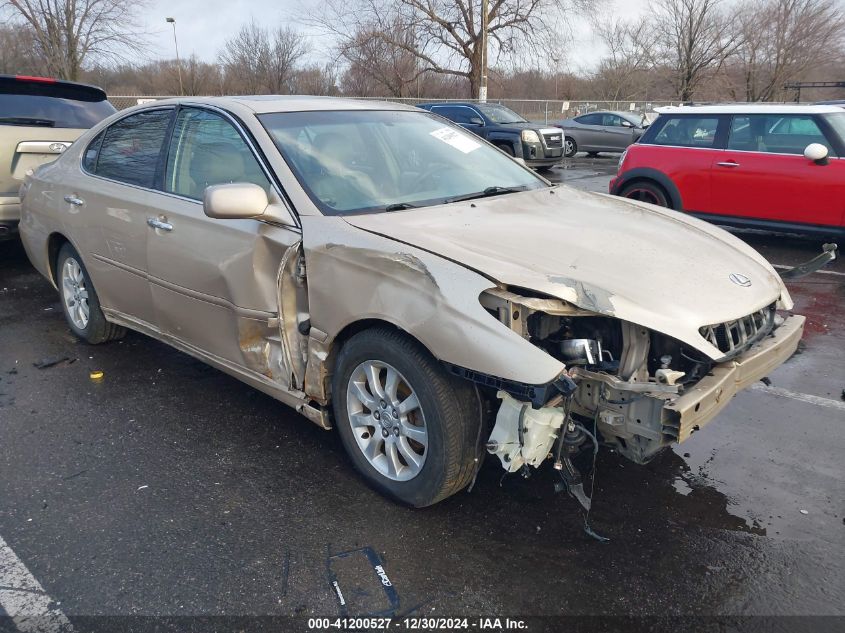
(734,337)
(553,140)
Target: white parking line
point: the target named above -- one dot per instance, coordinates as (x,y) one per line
(801,397)
(24,600)
(820,272)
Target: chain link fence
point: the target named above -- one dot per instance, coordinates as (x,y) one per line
(539,110)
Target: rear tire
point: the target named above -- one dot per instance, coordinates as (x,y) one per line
(80,303)
(570,147)
(419,453)
(646,191)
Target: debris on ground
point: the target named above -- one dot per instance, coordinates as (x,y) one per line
(803,512)
(54,361)
(97,375)
(766,381)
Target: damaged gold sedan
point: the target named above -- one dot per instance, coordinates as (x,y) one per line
(391,275)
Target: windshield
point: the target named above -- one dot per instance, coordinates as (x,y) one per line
(499,113)
(36,110)
(837,122)
(353,161)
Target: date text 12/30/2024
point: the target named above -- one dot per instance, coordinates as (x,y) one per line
(416,624)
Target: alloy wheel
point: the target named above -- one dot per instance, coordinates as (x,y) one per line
(75,293)
(387,420)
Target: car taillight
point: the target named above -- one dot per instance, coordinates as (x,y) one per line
(41,80)
(621,160)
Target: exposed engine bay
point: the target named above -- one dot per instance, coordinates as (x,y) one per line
(620,383)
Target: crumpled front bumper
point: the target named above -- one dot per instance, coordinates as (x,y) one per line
(701,403)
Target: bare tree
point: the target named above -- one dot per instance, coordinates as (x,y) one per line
(694,37)
(630,66)
(392,68)
(17,46)
(67,32)
(784,39)
(448,33)
(260,60)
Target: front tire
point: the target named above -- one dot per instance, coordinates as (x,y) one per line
(646,191)
(570,147)
(80,303)
(408,426)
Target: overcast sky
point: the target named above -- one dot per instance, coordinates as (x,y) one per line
(203,25)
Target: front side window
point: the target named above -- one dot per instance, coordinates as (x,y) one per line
(837,122)
(612,120)
(500,114)
(207,150)
(775,133)
(351,161)
(688,131)
(130,150)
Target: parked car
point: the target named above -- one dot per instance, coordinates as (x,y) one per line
(39,119)
(390,274)
(774,167)
(601,131)
(539,146)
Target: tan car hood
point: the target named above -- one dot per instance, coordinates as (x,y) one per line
(654,267)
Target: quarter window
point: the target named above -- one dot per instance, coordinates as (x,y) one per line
(688,131)
(130,150)
(775,133)
(207,150)
(89,161)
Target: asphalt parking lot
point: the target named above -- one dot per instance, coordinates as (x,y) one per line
(171,489)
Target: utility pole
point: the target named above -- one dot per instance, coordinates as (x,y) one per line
(178,63)
(482,88)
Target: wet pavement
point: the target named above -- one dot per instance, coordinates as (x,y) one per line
(170,488)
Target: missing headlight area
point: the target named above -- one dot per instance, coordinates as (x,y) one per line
(624,380)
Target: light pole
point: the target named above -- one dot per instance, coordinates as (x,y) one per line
(178,63)
(482,88)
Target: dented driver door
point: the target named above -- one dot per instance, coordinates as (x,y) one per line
(215,281)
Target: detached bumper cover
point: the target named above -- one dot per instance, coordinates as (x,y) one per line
(709,396)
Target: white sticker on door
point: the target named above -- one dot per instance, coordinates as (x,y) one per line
(456,139)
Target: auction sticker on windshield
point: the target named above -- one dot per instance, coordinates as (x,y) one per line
(457,140)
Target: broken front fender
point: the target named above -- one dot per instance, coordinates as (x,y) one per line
(354,276)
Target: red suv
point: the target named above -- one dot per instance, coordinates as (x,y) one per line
(774,167)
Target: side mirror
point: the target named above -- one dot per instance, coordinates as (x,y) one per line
(476,120)
(235,201)
(817,153)
(627,124)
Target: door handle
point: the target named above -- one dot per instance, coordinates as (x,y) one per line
(728,164)
(158,223)
(74,201)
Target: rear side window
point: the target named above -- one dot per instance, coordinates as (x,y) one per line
(688,131)
(42,111)
(589,119)
(455,113)
(207,150)
(130,149)
(775,134)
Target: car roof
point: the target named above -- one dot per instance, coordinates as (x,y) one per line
(262,104)
(750,108)
(617,112)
